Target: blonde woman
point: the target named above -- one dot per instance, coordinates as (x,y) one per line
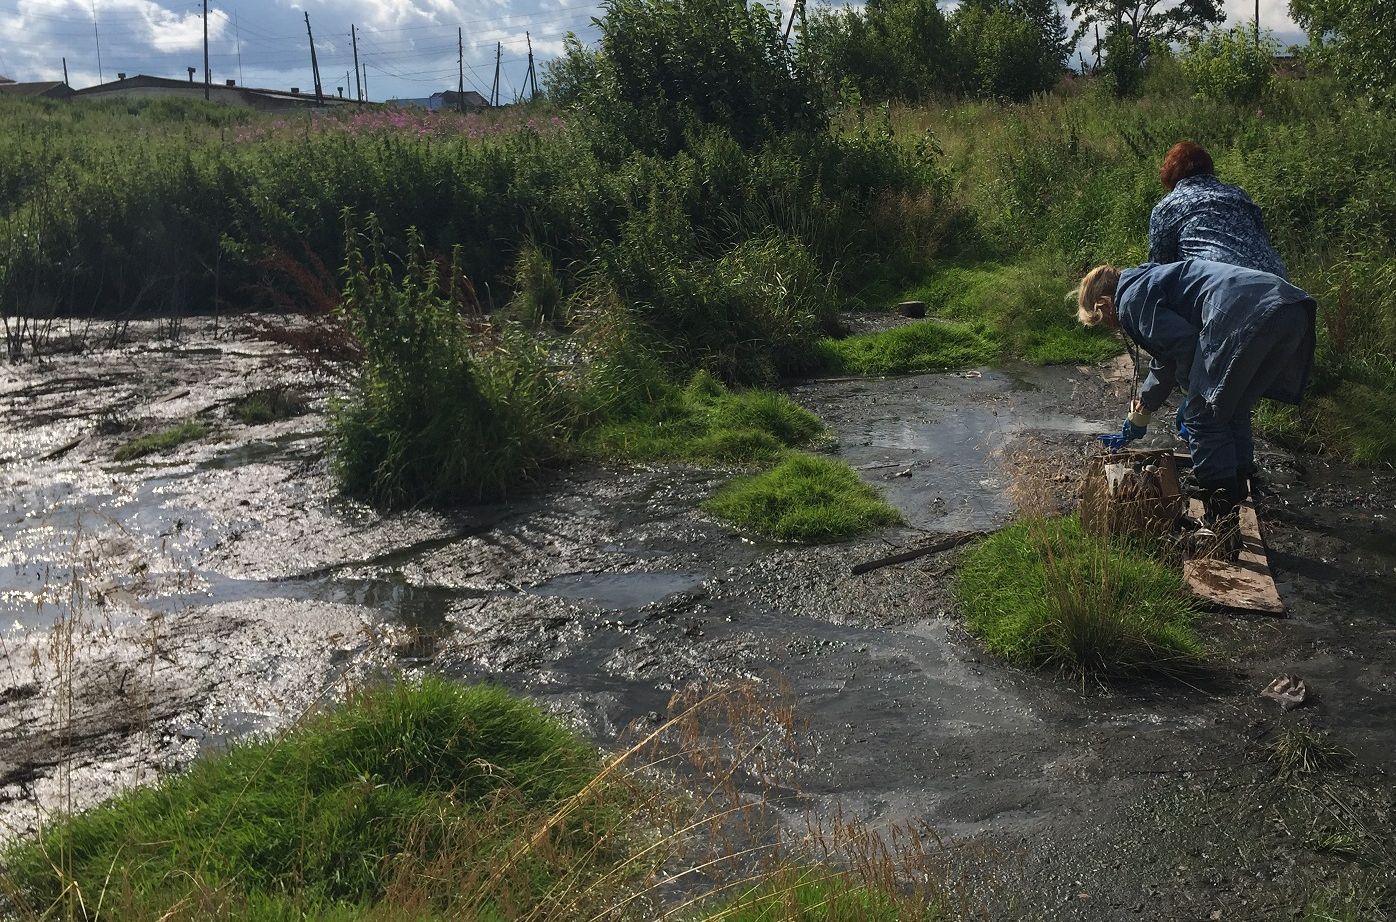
(1227,335)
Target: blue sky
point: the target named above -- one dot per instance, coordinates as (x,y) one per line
(408,45)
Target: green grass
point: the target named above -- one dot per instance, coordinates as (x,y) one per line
(268,405)
(707,422)
(163,440)
(413,790)
(980,314)
(927,345)
(1043,593)
(817,895)
(804,498)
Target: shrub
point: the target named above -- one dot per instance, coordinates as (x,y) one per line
(447,408)
(1231,65)
(803,498)
(1355,37)
(267,405)
(1044,593)
(398,781)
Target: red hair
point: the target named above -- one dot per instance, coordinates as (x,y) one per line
(1185,159)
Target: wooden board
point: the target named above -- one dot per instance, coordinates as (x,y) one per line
(1246,583)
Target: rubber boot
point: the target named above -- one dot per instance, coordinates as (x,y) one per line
(1219,532)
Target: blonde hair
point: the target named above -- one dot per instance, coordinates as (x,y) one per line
(1096,291)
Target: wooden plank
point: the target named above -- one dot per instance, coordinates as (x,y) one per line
(1244,584)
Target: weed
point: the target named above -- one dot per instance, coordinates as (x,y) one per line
(928,345)
(803,498)
(444,411)
(1300,751)
(267,405)
(170,437)
(1042,592)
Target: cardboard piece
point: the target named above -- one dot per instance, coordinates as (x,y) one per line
(1243,584)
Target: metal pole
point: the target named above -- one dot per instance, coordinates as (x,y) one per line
(206,73)
(358,87)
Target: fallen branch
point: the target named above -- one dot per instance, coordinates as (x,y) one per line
(935,547)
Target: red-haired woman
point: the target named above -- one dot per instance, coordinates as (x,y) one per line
(1202,217)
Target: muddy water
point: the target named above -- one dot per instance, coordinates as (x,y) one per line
(223,587)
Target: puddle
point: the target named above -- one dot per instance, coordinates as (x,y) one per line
(633,589)
(945,434)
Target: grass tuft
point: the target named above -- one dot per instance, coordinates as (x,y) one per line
(928,345)
(329,818)
(706,421)
(268,405)
(804,498)
(1043,592)
(1302,751)
(170,437)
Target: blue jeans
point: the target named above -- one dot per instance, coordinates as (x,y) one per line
(1222,446)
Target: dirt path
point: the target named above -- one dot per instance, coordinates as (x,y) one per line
(223,587)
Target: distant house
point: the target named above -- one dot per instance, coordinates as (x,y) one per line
(49,89)
(450,100)
(227,93)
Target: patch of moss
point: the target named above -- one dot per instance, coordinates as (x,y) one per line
(804,498)
(163,440)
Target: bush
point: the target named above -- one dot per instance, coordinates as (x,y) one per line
(1044,593)
(1231,65)
(669,68)
(804,498)
(447,408)
(347,806)
(1355,37)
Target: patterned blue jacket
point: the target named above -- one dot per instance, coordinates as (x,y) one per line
(1205,218)
(1195,317)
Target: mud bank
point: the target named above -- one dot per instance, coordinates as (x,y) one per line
(223,587)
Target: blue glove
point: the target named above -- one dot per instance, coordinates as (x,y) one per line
(1128,433)
(1183,432)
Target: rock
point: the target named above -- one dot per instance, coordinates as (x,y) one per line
(1289,690)
(912,308)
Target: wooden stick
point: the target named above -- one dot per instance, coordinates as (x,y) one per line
(935,547)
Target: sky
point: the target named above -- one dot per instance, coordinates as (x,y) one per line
(409,46)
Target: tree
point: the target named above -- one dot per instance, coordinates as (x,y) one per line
(1231,65)
(1133,27)
(667,67)
(1356,38)
(1008,48)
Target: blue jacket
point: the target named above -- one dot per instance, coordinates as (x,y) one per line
(1205,218)
(1195,317)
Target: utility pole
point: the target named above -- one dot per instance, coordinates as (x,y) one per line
(531,79)
(365,81)
(797,9)
(314,65)
(65,71)
(358,87)
(460,69)
(206,74)
(494,90)
(1257,23)
(1097,46)
(98,36)
(237,33)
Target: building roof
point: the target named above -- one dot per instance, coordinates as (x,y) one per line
(470,97)
(56,88)
(145,80)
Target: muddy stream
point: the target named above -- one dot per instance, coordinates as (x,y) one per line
(222,587)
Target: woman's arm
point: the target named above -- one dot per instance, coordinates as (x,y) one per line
(1163,237)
